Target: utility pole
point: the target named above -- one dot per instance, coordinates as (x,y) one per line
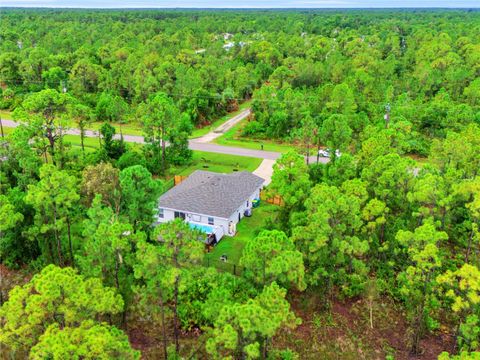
(387,115)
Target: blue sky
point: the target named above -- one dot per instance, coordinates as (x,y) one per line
(240,3)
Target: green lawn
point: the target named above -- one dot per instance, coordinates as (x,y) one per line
(4,114)
(232,138)
(7,130)
(221,163)
(206,129)
(247,229)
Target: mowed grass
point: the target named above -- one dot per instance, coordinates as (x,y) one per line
(206,129)
(248,228)
(233,138)
(221,163)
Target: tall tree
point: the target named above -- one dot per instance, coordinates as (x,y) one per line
(461,290)
(140,194)
(54,199)
(271,256)
(45,111)
(82,115)
(243,330)
(291,181)
(417,282)
(108,248)
(182,249)
(159,117)
(54,296)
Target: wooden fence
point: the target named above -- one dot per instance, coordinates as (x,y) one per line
(271,199)
(178,179)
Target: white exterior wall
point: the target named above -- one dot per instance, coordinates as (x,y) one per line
(169,215)
(243,207)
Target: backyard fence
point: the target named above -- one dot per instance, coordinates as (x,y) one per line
(178,179)
(271,199)
(223,266)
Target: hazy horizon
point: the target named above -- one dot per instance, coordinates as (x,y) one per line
(246,4)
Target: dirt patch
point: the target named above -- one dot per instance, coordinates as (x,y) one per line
(10,278)
(344,331)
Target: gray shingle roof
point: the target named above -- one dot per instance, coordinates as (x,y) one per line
(208,193)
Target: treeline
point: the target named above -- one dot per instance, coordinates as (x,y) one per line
(419,69)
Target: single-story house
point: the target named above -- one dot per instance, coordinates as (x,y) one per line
(211,202)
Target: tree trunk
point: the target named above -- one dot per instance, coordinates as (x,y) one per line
(164,330)
(308,153)
(370,305)
(1,127)
(57,237)
(70,242)
(82,137)
(175,315)
(419,325)
(163,149)
(51,141)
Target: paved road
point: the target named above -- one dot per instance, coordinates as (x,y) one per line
(227,125)
(194,144)
(265,170)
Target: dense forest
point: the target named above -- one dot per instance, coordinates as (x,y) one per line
(373,254)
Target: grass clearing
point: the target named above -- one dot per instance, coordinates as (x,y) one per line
(233,138)
(216,123)
(247,229)
(221,163)
(7,115)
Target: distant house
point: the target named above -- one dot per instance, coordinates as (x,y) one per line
(228,45)
(211,202)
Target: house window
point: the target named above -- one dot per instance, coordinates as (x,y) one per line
(179,214)
(210,221)
(160,214)
(197,218)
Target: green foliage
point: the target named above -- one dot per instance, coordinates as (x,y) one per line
(111,108)
(88,341)
(54,198)
(290,180)
(140,193)
(417,282)
(271,257)
(241,329)
(108,248)
(327,235)
(55,296)
(461,289)
(206,292)
(112,148)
